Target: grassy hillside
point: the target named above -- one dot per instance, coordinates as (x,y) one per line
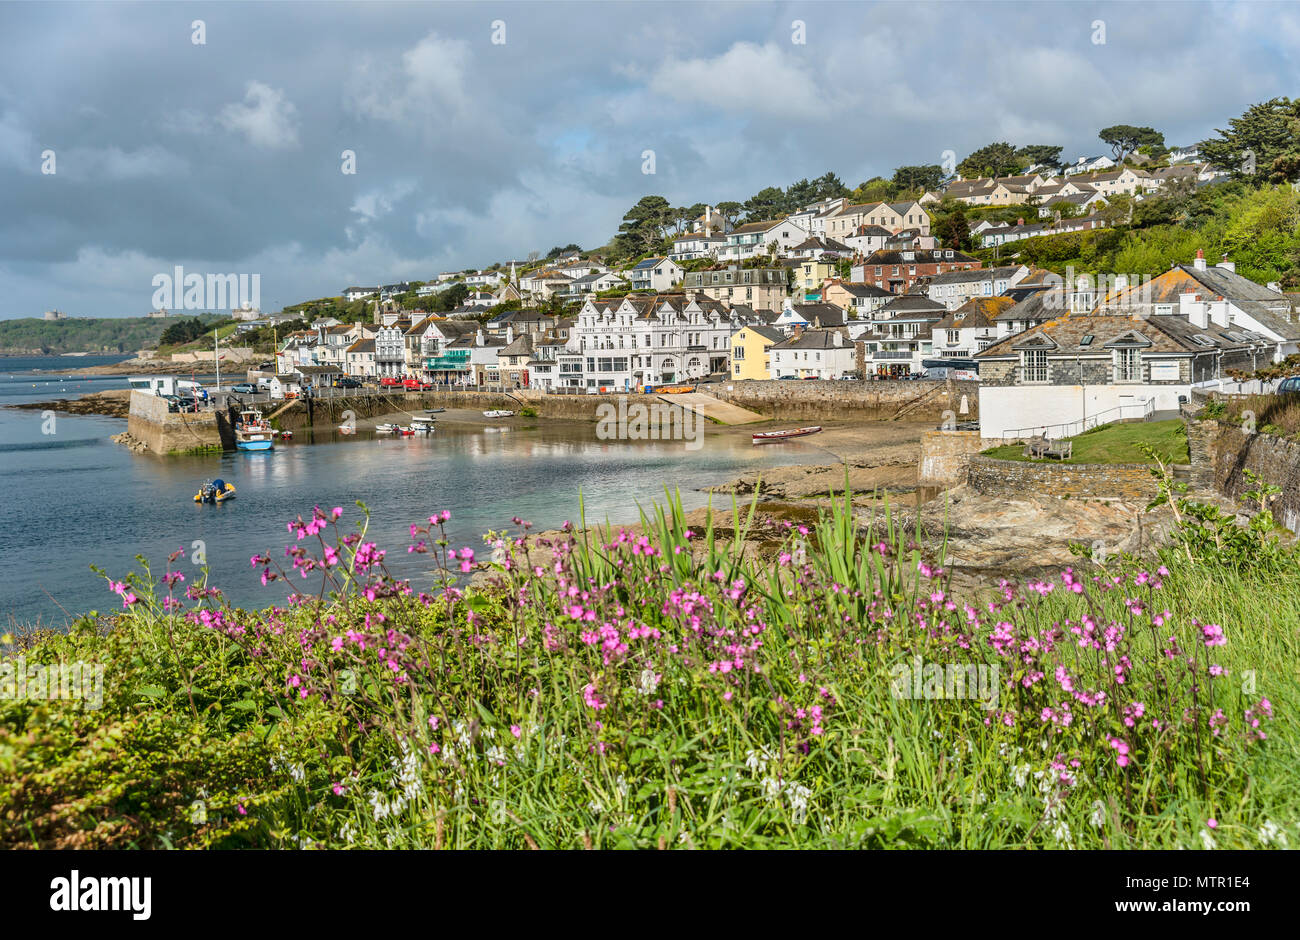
(30,335)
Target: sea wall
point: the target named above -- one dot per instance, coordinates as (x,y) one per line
(855,400)
(1017,478)
(166,433)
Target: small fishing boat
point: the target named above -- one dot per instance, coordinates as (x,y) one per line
(498,414)
(216,491)
(252,432)
(347,429)
(387,428)
(434,411)
(406,432)
(286,435)
(423,425)
(675,389)
(773,437)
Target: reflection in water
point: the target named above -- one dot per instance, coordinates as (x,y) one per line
(74,498)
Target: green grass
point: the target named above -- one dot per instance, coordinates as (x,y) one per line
(506,718)
(1116,443)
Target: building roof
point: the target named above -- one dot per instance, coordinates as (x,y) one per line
(976,312)
(1098,332)
(914,304)
(821,315)
(816,339)
(764,331)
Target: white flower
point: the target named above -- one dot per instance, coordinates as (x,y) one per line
(1098,817)
(347,833)
(798,801)
(1061,833)
(1020,773)
(649,682)
(1271,832)
(496,754)
(756,761)
(1207,840)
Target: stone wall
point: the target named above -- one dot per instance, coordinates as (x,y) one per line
(166,433)
(877,401)
(945,457)
(1014,478)
(1272,459)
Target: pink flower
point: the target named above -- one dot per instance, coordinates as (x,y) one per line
(516,731)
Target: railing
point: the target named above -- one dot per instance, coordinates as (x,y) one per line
(1141,411)
(891,354)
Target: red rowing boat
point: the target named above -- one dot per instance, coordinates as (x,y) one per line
(772,437)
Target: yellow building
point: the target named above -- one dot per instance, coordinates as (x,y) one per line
(749,351)
(809,276)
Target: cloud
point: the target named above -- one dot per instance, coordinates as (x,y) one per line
(747,78)
(427,82)
(266,118)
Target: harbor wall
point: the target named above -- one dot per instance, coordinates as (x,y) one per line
(854,400)
(166,433)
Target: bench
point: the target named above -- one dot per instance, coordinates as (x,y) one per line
(1037,448)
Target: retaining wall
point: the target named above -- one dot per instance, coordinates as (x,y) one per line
(1015,478)
(946,455)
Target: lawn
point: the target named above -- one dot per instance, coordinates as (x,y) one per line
(1118,443)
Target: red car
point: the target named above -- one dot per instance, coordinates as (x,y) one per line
(415,385)
(389,381)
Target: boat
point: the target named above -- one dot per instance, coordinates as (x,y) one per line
(423,425)
(674,389)
(286,435)
(347,429)
(498,414)
(434,411)
(217,491)
(407,432)
(387,428)
(773,437)
(252,432)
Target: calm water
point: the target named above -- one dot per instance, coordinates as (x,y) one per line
(74,498)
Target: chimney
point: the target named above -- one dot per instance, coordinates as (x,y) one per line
(1200,259)
(1191,306)
(796,330)
(1227,265)
(837,339)
(1219,313)
(1020,221)
(479,338)
(510,334)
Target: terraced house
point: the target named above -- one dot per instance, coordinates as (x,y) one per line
(1067,374)
(892,216)
(760,288)
(896,271)
(636,341)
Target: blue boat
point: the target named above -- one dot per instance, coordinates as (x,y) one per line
(253,433)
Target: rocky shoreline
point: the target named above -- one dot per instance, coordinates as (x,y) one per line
(113,403)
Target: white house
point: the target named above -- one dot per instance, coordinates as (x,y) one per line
(813,354)
(657,274)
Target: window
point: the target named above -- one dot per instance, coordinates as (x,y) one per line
(1128,365)
(1033,365)
(1086,341)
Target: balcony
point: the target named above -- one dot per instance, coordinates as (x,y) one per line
(891,354)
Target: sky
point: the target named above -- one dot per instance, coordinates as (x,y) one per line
(482,132)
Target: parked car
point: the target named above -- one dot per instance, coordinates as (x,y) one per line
(244,388)
(415,385)
(390,381)
(1288,385)
(347,383)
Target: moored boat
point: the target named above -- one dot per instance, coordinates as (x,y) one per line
(772,437)
(217,491)
(423,425)
(387,428)
(498,414)
(252,432)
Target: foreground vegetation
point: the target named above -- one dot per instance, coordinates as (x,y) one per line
(660,690)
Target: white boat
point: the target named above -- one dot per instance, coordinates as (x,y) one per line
(253,433)
(498,414)
(423,425)
(387,428)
